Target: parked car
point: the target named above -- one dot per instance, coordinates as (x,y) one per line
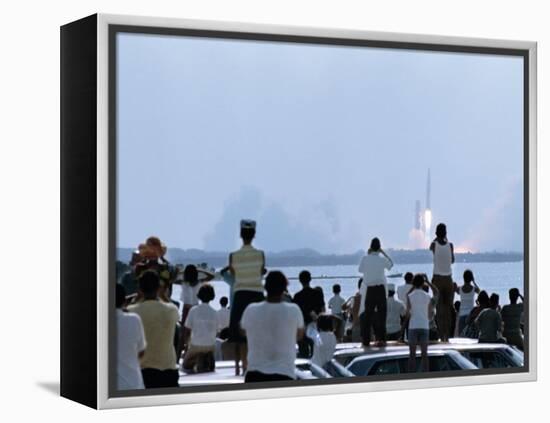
(335,369)
(484,356)
(488,356)
(305,369)
(384,363)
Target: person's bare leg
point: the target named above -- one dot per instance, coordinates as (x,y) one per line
(424,357)
(244,356)
(412,358)
(237,358)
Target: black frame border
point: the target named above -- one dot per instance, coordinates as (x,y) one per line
(114,29)
(78,210)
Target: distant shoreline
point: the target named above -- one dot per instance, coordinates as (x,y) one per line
(310,257)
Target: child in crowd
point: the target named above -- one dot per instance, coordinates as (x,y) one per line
(395,314)
(223,314)
(434,333)
(403,290)
(202,322)
(351,307)
(420,310)
(335,304)
(467,294)
(323,351)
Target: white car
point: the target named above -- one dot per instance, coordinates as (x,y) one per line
(397,362)
(484,356)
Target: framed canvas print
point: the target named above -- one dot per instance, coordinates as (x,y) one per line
(256,211)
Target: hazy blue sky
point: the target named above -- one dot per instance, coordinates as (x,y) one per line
(325,146)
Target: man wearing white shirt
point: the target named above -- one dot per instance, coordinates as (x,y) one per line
(396,311)
(272,328)
(335,304)
(403,290)
(373,266)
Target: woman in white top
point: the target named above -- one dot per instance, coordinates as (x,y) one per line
(467,294)
(202,322)
(419,312)
(443,253)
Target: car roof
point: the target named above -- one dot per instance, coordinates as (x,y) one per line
(400,354)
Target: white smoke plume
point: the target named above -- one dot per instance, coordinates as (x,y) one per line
(417,239)
(501,225)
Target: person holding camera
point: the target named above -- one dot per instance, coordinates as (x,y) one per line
(443,259)
(420,309)
(373,308)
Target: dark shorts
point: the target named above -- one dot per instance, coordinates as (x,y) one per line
(241,300)
(256,376)
(394,336)
(155,378)
(418,336)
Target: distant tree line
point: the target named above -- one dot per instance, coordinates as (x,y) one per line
(310,257)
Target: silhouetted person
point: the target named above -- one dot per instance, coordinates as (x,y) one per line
(489,322)
(482,302)
(511,319)
(467,294)
(443,255)
(373,266)
(456,307)
(311,303)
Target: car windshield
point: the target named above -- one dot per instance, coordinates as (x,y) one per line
(494,359)
(447,361)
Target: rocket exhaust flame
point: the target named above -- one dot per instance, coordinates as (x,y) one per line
(427,221)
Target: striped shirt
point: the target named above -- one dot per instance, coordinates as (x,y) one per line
(247,264)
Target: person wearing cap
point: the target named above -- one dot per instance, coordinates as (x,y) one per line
(247,266)
(396,311)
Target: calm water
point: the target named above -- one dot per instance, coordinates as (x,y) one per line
(492,277)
